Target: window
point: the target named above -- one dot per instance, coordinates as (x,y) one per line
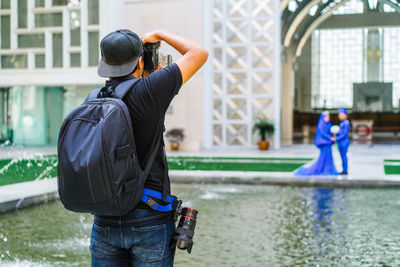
(22,13)
(5,4)
(5,32)
(337,63)
(338,60)
(60,2)
(14,62)
(350,7)
(39,61)
(39,3)
(30,40)
(40,34)
(93,12)
(391,60)
(37,114)
(76,37)
(75,26)
(48,20)
(75,59)
(57,50)
(93,48)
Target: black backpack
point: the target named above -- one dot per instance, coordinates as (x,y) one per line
(98,168)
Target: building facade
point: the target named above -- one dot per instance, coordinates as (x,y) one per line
(50,51)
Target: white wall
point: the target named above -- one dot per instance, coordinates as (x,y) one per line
(183,17)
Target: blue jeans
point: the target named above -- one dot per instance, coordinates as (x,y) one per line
(143,239)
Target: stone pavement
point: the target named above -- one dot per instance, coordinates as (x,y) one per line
(16,196)
(7,152)
(365,161)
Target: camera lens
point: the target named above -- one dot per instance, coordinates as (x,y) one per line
(190,213)
(185,229)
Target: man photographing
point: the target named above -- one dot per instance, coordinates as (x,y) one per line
(143,236)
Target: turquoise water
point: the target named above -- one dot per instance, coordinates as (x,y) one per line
(238,225)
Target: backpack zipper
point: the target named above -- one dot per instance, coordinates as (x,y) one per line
(110,173)
(131,138)
(71,121)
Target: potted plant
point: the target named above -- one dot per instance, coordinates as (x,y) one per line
(175,137)
(264,128)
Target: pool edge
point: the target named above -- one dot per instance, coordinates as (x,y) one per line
(26,194)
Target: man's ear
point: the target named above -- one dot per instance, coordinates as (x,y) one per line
(140,64)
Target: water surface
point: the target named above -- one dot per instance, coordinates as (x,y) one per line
(238,225)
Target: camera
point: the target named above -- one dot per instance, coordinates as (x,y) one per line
(185,231)
(153,57)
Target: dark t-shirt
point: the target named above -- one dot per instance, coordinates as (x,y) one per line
(147,102)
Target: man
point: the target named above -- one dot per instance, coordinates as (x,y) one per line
(343,139)
(143,236)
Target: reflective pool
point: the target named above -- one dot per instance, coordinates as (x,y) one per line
(238,225)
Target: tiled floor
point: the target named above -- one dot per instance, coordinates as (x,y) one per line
(365,161)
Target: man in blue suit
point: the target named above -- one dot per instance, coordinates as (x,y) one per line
(343,139)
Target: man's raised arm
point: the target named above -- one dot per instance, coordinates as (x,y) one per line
(194,55)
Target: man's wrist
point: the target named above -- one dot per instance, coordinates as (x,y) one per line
(161,34)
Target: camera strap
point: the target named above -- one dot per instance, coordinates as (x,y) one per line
(165,177)
(149,194)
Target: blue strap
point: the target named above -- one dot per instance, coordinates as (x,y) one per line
(148,194)
(158,195)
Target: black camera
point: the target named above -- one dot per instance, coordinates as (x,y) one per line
(185,231)
(152,57)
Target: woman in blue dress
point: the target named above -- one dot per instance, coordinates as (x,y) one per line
(324,141)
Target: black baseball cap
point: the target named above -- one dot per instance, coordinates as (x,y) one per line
(120,52)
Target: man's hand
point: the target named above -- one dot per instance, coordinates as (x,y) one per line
(194,55)
(151,37)
(333,139)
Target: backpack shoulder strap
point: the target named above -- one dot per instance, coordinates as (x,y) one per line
(166,184)
(150,162)
(93,94)
(123,88)
(119,92)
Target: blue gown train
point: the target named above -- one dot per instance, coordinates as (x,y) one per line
(324,164)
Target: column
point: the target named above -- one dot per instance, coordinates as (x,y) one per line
(287,97)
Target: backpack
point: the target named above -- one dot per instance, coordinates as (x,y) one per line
(98,167)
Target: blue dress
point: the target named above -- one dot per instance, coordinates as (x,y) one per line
(324,164)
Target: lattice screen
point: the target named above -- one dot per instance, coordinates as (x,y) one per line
(242,70)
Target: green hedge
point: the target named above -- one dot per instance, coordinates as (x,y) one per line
(392,166)
(236,164)
(21,170)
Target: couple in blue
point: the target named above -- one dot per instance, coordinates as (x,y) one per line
(324,140)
